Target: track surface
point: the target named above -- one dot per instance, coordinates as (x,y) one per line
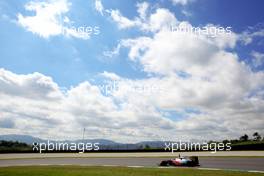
(221,163)
(131,154)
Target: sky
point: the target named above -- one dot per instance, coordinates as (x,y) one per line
(122,70)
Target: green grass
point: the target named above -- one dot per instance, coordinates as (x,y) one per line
(116,171)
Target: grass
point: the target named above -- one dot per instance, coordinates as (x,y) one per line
(116,171)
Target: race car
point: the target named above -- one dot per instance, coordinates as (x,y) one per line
(181,161)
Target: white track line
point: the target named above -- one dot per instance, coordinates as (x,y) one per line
(208,168)
(109,165)
(136,166)
(253,171)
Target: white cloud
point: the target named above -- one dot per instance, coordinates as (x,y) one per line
(49,19)
(6,123)
(33,104)
(224,104)
(142,9)
(248,37)
(99,6)
(189,52)
(34,85)
(111,53)
(109,75)
(29,105)
(122,21)
(46,21)
(181,2)
(253,32)
(196,71)
(160,19)
(186,13)
(258,58)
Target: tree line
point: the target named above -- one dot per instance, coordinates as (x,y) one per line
(256,137)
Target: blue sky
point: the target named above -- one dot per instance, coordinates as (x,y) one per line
(72,61)
(78,60)
(61,57)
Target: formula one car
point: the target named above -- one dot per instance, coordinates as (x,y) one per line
(181,161)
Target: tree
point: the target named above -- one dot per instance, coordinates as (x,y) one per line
(256,136)
(141,147)
(147,147)
(244,138)
(226,141)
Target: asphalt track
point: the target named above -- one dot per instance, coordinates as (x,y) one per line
(233,163)
(133,154)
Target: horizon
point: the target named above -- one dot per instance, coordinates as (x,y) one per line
(19,139)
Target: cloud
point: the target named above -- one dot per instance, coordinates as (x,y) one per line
(186,13)
(99,6)
(46,22)
(190,53)
(109,75)
(258,58)
(35,85)
(248,37)
(111,53)
(49,19)
(161,18)
(252,33)
(196,71)
(181,2)
(137,114)
(224,111)
(142,9)
(7,123)
(40,108)
(122,21)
